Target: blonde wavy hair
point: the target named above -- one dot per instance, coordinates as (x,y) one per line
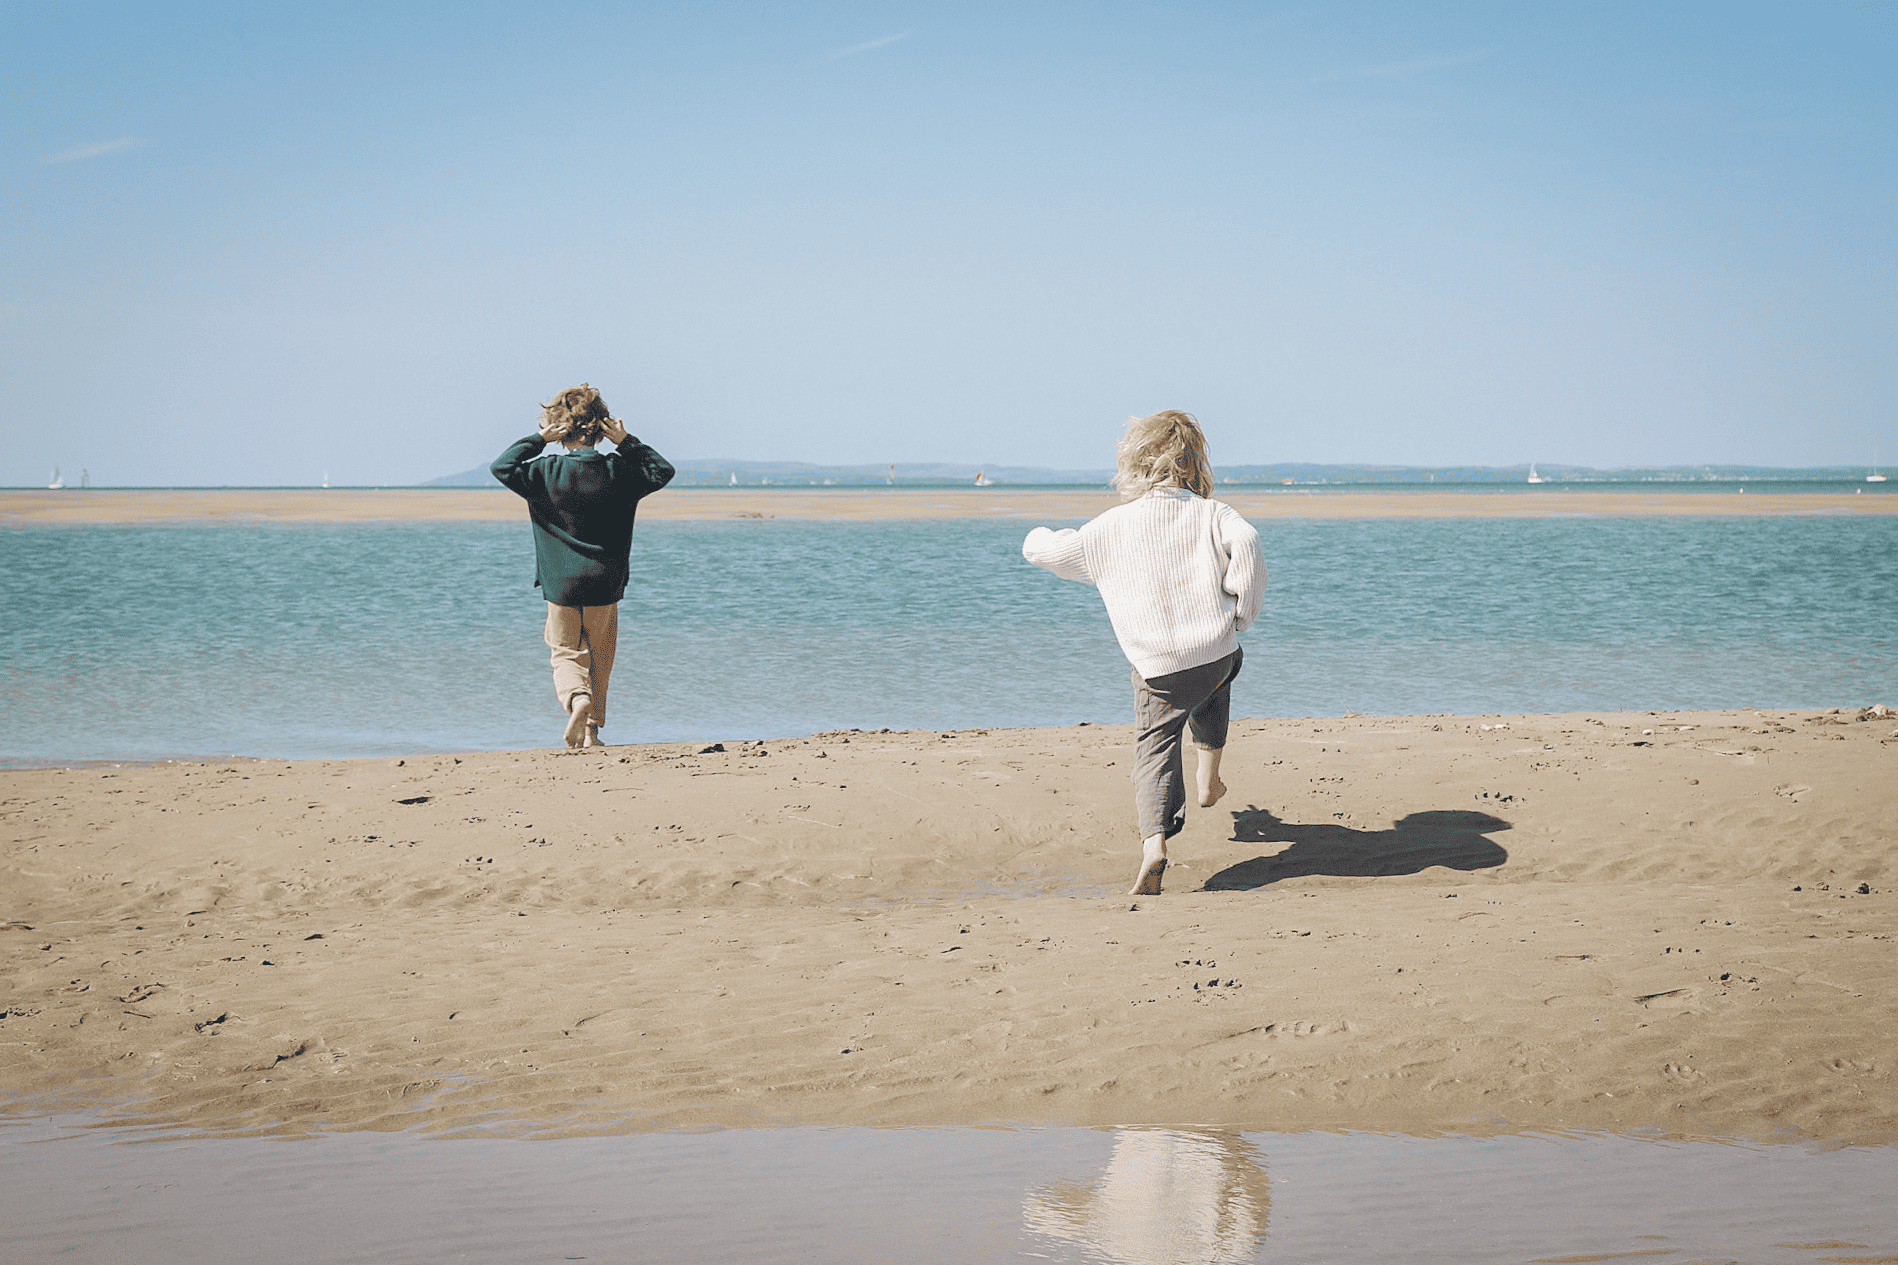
(1163,450)
(576,416)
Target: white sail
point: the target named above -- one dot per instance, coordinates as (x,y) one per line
(55,482)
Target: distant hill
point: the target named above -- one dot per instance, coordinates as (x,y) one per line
(716,473)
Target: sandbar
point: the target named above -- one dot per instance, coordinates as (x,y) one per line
(1677,923)
(348,505)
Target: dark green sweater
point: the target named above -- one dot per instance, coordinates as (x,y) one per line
(582,504)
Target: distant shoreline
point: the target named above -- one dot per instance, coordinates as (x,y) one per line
(345,505)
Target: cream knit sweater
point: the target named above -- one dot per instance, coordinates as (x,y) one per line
(1181,576)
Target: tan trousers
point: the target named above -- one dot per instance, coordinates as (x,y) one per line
(582,639)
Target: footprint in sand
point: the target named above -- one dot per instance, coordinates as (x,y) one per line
(1296,1028)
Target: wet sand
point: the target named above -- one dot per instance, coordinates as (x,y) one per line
(342,505)
(1412,924)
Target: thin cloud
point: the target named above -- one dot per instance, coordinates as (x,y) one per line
(867,45)
(1405,69)
(78,152)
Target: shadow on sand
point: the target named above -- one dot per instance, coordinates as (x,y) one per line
(1446,837)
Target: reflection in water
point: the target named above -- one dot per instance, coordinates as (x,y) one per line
(1166,1197)
(76,1193)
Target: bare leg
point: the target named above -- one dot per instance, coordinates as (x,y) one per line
(1210,787)
(1152,866)
(580,710)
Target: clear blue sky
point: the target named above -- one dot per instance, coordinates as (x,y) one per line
(245,242)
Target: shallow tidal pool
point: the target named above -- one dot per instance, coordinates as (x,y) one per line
(74,1192)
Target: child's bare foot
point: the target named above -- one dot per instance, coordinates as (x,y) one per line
(579,712)
(593,735)
(1152,867)
(1210,787)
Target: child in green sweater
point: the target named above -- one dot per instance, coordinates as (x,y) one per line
(582,505)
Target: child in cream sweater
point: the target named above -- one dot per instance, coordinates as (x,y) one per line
(1181,576)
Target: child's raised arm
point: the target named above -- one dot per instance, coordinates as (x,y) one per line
(642,470)
(511,466)
(1058,551)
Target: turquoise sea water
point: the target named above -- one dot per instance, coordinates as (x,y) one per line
(153,642)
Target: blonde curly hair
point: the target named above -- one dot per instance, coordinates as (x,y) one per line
(1163,450)
(576,416)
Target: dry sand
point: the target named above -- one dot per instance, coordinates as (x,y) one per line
(1412,924)
(339,505)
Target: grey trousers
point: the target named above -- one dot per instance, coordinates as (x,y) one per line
(1198,698)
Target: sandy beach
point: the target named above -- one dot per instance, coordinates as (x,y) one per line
(1679,923)
(349,505)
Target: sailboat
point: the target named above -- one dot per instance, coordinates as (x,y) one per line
(733,483)
(1874,476)
(55,483)
(1533,476)
(982,479)
(326,476)
(85,477)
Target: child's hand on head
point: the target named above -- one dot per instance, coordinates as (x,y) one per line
(615,430)
(552,430)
